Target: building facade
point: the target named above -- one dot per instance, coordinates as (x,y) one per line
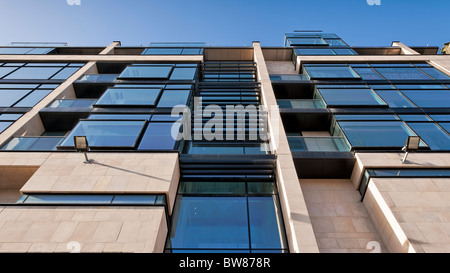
(195,148)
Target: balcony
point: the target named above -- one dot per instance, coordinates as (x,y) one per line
(301,104)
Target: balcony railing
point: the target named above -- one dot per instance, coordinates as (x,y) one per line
(33,144)
(98,78)
(72,103)
(299,104)
(318,144)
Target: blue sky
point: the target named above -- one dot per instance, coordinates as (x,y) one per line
(224,22)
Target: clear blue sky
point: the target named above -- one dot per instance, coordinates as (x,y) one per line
(224,22)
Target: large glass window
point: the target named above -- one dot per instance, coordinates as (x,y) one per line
(350,97)
(183,73)
(158,136)
(171,98)
(436,74)
(429,98)
(395,99)
(37,73)
(375,133)
(6,70)
(402,73)
(116,134)
(130,96)
(147,71)
(330,72)
(306,41)
(432,134)
(10,97)
(367,73)
(33,98)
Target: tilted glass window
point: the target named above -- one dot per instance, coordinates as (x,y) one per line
(4,125)
(32,99)
(446,126)
(436,74)
(35,73)
(367,73)
(432,134)
(306,41)
(10,97)
(366,117)
(171,98)
(32,144)
(402,73)
(350,97)
(158,136)
(120,133)
(375,133)
(331,72)
(183,73)
(147,71)
(414,117)
(120,116)
(395,99)
(315,51)
(440,117)
(129,96)
(429,98)
(6,70)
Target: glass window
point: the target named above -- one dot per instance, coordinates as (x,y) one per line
(32,99)
(344,51)
(395,99)
(432,134)
(65,73)
(14,50)
(171,98)
(335,42)
(9,97)
(164,117)
(40,51)
(4,125)
(339,97)
(376,133)
(414,117)
(436,74)
(119,116)
(429,98)
(324,72)
(6,70)
(150,72)
(440,117)
(306,41)
(12,117)
(192,51)
(158,136)
(446,126)
(211,223)
(106,133)
(134,199)
(212,188)
(130,96)
(368,73)
(366,117)
(314,51)
(68,199)
(183,73)
(37,73)
(402,73)
(33,144)
(381,86)
(75,103)
(420,86)
(264,223)
(162,51)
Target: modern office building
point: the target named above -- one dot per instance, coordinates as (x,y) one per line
(313,146)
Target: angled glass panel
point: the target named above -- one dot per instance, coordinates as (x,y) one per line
(106,133)
(40,51)
(129,96)
(381,86)
(183,73)
(147,72)
(420,86)
(14,50)
(440,117)
(366,117)
(335,42)
(134,199)
(158,136)
(402,73)
(376,133)
(436,74)
(432,134)
(162,51)
(192,51)
(409,172)
(4,125)
(318,144)
(429,98)
(6,70)
(10,117)
(65,73)
(210,223)
(9,97)
(344,51)
(332,72)
(314,51)
(395,99)
(33,144)
(34,73)
(265,223)
(414,117)
(446,126)
(307,41)
(171,98)
(119,116)
(342,97)
(32,99)
(368,73)
(68,199)
(76,103)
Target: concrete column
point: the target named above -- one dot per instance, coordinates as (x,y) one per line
(298,226)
